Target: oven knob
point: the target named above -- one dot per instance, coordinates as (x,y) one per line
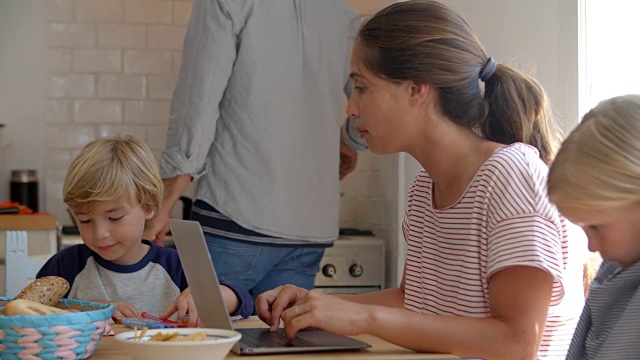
(329,270)
(355,270)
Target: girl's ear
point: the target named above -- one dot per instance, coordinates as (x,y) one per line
(418,93)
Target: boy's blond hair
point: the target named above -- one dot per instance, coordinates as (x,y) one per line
(110,167)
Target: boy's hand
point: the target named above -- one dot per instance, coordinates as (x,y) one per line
(183,305)
(123,310)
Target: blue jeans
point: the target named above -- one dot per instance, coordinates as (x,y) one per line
(259,268)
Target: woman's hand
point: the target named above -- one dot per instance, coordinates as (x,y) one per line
(272,303)
(183,305)
(326,312)
(300,309)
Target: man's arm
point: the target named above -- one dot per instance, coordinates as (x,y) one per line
(173,188)
(208,56)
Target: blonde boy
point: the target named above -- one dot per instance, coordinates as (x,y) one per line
(113,190)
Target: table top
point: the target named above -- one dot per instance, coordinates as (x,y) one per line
(110,349)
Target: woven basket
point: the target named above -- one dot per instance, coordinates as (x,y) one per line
(58,336)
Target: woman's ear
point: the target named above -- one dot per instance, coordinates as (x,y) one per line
(418,93)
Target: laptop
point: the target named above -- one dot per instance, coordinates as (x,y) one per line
(207,296)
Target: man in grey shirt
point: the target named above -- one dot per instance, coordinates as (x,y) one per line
(256,118)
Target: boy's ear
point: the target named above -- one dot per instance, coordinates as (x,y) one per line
(418,93)
(149,212)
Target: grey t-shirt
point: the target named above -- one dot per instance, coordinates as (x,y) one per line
(257,112)
(149,289)
(150,285)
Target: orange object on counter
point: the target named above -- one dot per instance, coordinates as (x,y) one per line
(22,209)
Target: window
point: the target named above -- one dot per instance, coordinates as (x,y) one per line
(611,51)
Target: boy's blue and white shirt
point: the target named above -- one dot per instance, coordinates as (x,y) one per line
(609,327)
(150,285)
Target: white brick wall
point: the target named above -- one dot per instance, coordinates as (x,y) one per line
(68,35)
(97,61)
(148,11)
(122,86)
(122,36)
(58,111)
(109,11)
(60,61)
(112,68)
(73,85)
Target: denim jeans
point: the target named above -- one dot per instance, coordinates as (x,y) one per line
(258,268)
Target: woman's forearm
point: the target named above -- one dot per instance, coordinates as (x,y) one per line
(481,337)
(389,297)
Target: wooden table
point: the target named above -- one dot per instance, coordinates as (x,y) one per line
(110,349)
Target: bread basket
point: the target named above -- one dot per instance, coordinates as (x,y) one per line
(58,336)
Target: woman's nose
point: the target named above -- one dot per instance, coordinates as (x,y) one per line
(351,108)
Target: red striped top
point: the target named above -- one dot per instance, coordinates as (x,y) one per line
(502,219)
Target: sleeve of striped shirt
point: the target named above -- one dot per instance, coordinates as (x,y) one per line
(528,240)
(524,228)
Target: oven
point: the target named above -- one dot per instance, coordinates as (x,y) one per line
(354,265)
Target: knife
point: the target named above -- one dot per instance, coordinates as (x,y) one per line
(9,210)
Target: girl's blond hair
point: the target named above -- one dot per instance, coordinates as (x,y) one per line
(598,165)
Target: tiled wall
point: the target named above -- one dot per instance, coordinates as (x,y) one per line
(112,69)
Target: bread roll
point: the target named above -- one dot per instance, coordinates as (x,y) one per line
(31,308)
(47,290)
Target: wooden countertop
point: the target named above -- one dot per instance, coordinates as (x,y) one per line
(37,221)
(110,349)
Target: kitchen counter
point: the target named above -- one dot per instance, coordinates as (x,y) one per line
(37,221)
(110,349)
(34,232)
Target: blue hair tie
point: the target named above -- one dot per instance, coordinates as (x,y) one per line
(489,68)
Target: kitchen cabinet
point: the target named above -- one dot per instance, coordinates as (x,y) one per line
(29,240)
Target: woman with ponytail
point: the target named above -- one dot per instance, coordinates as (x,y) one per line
(490,270)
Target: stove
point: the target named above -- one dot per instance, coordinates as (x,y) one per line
(354,265)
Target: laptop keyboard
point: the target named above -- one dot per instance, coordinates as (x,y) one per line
(260,338)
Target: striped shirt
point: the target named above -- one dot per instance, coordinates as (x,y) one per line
(609,327)
(503,219)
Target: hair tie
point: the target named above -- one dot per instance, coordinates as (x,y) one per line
(489,68)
